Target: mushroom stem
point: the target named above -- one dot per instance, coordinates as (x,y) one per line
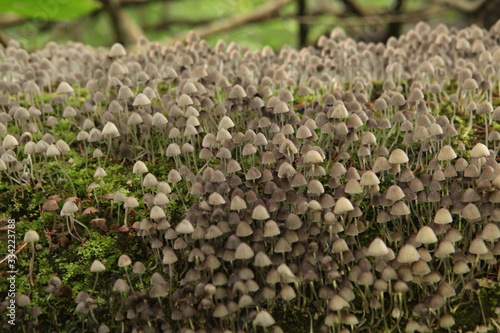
(128,279)
(486,128)
(67,176)
(481,306)
(71,226)
(83,225)
(95,282)
(32,261)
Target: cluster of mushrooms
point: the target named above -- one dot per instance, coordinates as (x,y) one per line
(354,182)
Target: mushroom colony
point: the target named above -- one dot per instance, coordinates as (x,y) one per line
(352,184)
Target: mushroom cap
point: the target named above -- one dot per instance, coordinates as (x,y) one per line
(50,205)
(477,246)
(398,156)
(117,50)
(313,157)
(446,154)
(243,252)
(64,89)
(97,266)
(337,303)
(69,208)
(31,236)
(443,216)
(264,319)
(260,213)
(121,286)
(369,178)
(237,91)
(141,100)
(377,248)
(110,130)
(140,167)
(184,227)
(426,236)
(479,150)
(124,260)
(408,254)
(343,205)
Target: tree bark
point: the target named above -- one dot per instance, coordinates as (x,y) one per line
(303,28)
(3,39)
(394,28)
(113,9)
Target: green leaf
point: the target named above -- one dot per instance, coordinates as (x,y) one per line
(49,10)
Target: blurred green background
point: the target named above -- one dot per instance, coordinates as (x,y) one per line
(250,22)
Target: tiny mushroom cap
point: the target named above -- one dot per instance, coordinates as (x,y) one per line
(426,236)
(490,232)
(157,213)
(158,290)
(237,92)
(31,236)
(260,213)
(117,50)
(408,254)
(377,248)
(312,157)
(343,205)
(69,208)
(479,150)
(446,154)
(140,167)
(395,193)
(141,100)
(23,300)
(110,130)
(237,203)
(477,246)
(338,303)
(262,260)
(398,156)
(100,172)
(243,251)
(121,286)
(124,260)
(97,266)
(184,227)
(443,216)
(50,205)
(264,319)
(446,321)
(220,311)
(64,88)
(215,199)
(9,141)
(369,178)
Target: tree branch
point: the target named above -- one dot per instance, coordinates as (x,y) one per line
(376,19)
(353,7)
(165,24)
(265,12)
(468,7)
